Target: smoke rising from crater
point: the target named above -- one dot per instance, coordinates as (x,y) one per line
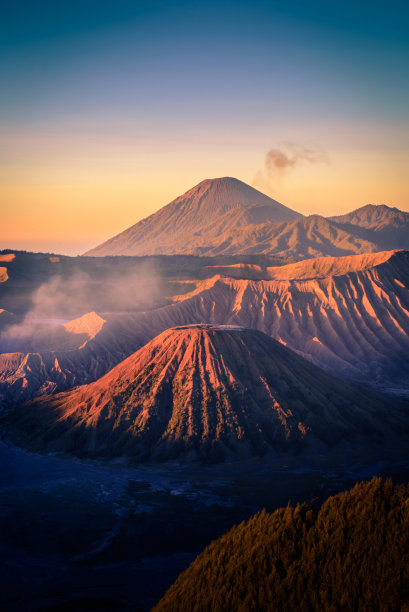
(280,161)
(68,296)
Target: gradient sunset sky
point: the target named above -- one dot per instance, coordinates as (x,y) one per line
(109,110)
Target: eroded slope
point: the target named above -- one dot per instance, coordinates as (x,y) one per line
(208,392)
(348,315)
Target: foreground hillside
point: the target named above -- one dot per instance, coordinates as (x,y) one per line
(352,555)
(211,393)
(226,216)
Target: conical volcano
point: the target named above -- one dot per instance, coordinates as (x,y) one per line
(195,220)
(209,392)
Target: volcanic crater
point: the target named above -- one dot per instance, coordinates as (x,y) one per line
(207,392)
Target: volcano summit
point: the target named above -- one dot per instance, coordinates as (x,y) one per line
(197,219)
(208,392)
(226,216)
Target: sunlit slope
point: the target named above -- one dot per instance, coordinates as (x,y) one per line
(40,285)
(322,267)
(197,218)
(348,315)
(353,554)
(354,322)
(227,217)
(209,392)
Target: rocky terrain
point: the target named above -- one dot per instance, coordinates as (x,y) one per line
(348,315)
(176,434)
(209,392)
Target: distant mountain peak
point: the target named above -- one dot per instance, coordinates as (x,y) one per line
(194,220)
(226,180)
(389,225)
(372,207)
(371,211)
(226,216)
(380,207)
(222,194)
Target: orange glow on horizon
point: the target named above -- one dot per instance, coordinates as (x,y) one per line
(87,199)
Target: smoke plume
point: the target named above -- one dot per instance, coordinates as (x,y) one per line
(279,162)
(67,296)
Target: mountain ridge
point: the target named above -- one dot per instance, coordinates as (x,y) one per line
(228,217)
(353,322)
(369,215)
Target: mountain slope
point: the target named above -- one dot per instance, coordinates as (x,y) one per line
(386,227)
(348,315)
(354,323)
(374,216)
(200,215)
(353,554)
(312,236)
(227,217)
(208,392)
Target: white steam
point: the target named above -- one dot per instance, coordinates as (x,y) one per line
(65,297)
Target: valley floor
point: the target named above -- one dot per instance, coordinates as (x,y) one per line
(95,536)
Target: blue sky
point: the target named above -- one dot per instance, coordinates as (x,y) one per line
(63,59)
(187,89)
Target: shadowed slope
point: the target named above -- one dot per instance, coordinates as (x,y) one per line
(208,392)
(387,227)
(374,216)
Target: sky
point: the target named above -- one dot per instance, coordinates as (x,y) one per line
(110,110)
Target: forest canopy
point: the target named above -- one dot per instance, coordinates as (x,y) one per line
(351,555)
